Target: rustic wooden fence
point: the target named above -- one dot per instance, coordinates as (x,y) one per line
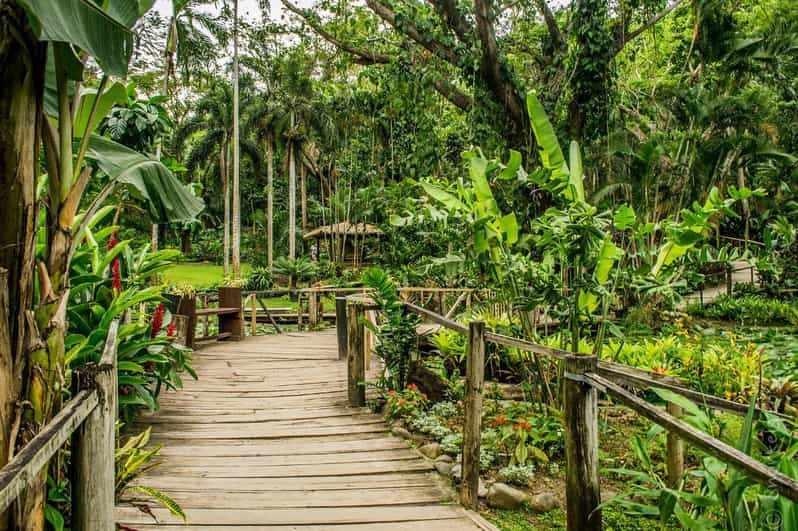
(585,377)
(89,419)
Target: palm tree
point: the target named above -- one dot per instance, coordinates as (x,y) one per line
(263,121)
(236,156)
(189,44)
(212,123)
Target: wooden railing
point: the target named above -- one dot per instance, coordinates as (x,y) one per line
(89,419)
(585,377)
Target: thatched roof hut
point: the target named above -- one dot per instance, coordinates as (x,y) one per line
(343,228)
(346,243)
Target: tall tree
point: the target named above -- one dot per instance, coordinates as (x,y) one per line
(206,137)
(236,155)
(461,42)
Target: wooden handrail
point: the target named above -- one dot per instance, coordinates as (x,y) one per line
(26,465)
(622,374)
(759,472)
(585,377)
(89,418)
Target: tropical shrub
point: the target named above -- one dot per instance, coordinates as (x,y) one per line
(259,279)
(724,497)
(110,282)
(517,474)
(404,404)
(297,270)
(132,459)
(748,310)
(396,333)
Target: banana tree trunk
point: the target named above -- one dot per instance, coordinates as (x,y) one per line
(270,202)
(20,106)
(223,166)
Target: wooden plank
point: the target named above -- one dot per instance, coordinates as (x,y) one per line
(383,455)
(25,466)
(310,516)
(217,311)
(263,448)
(448,524)
(198,499)
(278,485)
(313,470)
(754,469)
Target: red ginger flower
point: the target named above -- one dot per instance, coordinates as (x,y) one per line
(113,241)
(157,320)
(170,332)
(116,281)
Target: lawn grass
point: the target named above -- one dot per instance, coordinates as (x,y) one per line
(200,275)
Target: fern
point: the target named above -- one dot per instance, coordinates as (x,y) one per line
(163,499)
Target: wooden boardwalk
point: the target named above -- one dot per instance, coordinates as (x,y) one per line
(264,440)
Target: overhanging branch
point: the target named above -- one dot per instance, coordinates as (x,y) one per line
(363,57)
(434,46)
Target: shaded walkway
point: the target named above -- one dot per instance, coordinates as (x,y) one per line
(264,440)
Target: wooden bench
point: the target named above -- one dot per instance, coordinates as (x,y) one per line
(230,313)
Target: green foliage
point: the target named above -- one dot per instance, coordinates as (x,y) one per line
(748,310)
(396,334)
(132,459)
(404,404)
(259,279)
(300,269)
(520,475)
(726,498)
(108,282)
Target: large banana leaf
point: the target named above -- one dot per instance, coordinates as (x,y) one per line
(104,34)
(550,152)
(168,199)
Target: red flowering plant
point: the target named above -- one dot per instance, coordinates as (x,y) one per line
(524,436)
(110,280)
(406,403)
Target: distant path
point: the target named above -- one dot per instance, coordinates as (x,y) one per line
(712,293)
(264,440)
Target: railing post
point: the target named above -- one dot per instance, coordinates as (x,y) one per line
(313,309)
(475,380)
(253,308)
(729,274)
(581,446)
(340,325)
(93,448)
(675,450)
(355,351)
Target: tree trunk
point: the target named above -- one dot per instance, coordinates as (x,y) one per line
(236,188)
(186,242)
(303,196)
(270,202)
(20,111)
(223,166)
(291,201)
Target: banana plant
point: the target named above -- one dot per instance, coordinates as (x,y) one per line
(74,31)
